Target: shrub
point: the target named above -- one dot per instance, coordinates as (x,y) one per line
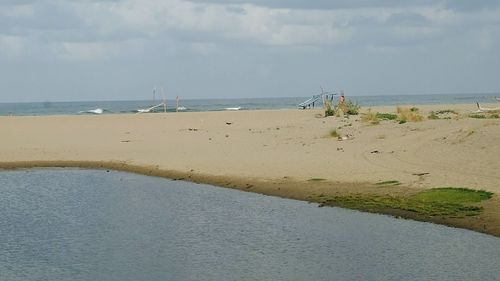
(352,108)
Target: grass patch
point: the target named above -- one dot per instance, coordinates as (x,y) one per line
(453,195)
(316,179)
(386,116)
(446,202)
(477,116)
(403,115)
(391,182)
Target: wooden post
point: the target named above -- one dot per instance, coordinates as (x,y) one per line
(177,105)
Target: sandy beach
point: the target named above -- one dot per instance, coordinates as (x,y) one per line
(288,153)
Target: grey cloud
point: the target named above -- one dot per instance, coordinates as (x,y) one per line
(321,4)
(472,5)
(45,16)
(52,16)
(16,2)
(406,18)
(151,41)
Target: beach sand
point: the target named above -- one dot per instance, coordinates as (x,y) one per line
(288,153)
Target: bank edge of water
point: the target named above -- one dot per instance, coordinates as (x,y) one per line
(487,222)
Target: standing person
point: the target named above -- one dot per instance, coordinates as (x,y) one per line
(342,102)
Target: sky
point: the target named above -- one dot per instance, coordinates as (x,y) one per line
(82,50)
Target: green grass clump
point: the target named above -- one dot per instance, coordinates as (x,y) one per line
(390,182)
(316,179)
(446,202)
(386,116)
(477,116)
(334,133)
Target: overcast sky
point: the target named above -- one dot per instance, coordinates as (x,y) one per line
(106,50)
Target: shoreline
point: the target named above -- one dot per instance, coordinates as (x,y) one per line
(295,154)
(290,189)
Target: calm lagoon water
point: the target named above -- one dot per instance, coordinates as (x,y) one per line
(68,224)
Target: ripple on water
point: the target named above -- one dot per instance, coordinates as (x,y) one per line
(70,224)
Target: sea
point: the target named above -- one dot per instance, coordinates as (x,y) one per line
(197,105)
